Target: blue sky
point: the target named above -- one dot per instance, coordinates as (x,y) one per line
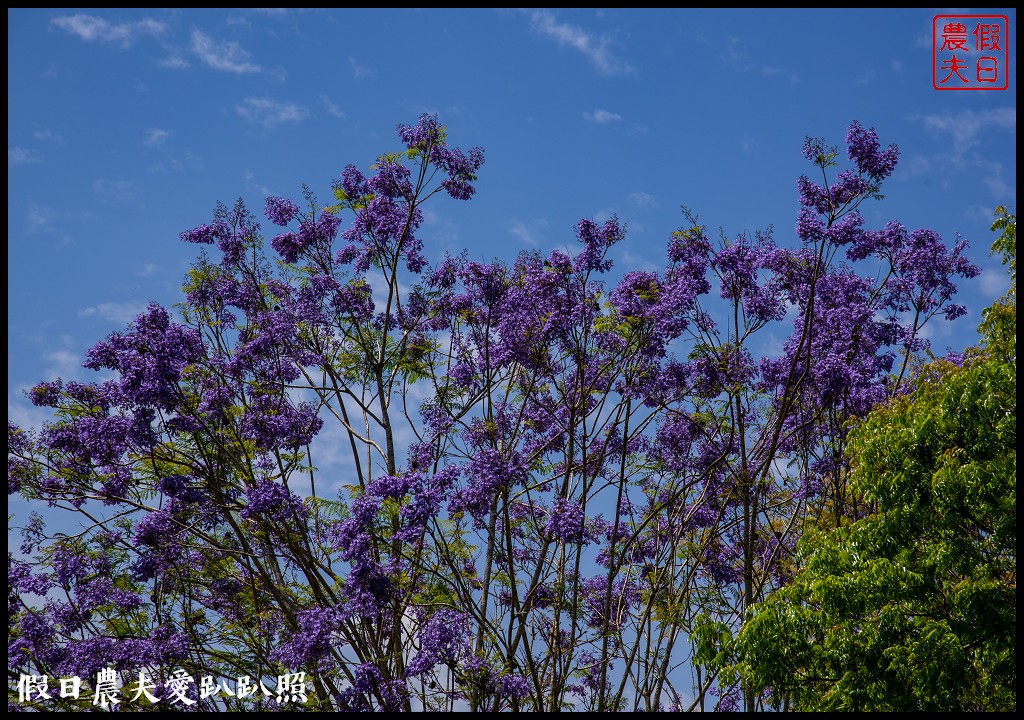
(125,127)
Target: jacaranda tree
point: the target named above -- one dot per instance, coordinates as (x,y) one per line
(563,488)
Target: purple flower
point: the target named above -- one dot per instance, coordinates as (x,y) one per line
(426,132)
(368,684)
(814,197)
(810,228)
(625,593)
(368,590)
(289,245)
(149,357)
(487,473)
(865,151)
(515,687)
(387,486)
(352,537)
(461,168)
(443,638)
(817,151)
(597,241)
(273,501)
(46,394)
(566,521)
(392,179)
(203,234)
(313,641)
(20,578)
(352,183)
(274,423)
(280,211)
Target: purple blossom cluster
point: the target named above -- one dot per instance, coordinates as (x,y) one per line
(443,639)
(371,690)
(566,521)
(595,592)
(320,232)
(280,211)
(866,152)
(273,501)
(487,474)
(313,641)
(148,360)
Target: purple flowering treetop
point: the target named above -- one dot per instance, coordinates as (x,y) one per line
(563,488)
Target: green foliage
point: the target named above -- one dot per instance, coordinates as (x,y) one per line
(999,327)
(1006,243)
(914,606)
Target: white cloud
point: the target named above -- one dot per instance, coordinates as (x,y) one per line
(596,49)
(155,137)
(251,182)
(642,199)
(115,191)
(979,213)
(173,62)
(94,29)
(629,261)
(359,70)
(270,113)
(24,414)
(772,344)
(22,156)
(176,161)
(736,55)
(1001,190)
(117,313)
(47,135)
(965,127)
(601,116)
(62,364)
(915,166)
(959,134)
(40,218)
(528,233)
(939,331)
(226,56)
(331,108)
(379,289)
(994,282)
(926,38)
(148,269)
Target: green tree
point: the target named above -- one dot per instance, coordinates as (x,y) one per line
(1000,323)
(914,606)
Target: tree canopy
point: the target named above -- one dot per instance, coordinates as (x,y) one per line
(339,476)
(912,607)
